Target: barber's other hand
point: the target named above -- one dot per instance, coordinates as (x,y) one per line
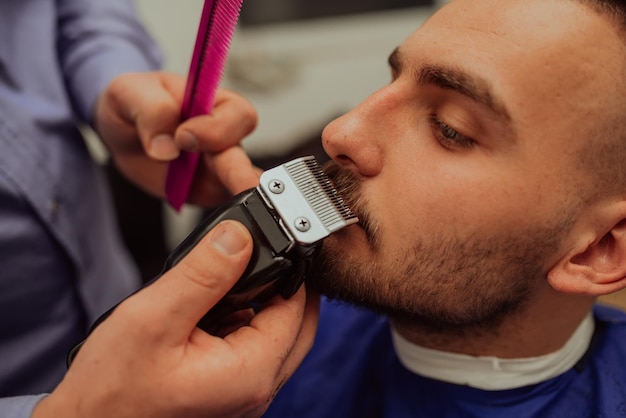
(139,120)
(148,359)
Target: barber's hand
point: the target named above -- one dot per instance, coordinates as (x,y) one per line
(148,359)
(138,117)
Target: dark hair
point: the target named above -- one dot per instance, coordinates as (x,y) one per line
(605,158)
(615,9)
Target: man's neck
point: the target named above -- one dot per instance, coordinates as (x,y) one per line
(541,328)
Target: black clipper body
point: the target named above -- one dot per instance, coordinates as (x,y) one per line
(288,215)
(277,266)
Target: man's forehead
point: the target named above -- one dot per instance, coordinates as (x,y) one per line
(537,40)
(523,20)
(553,64)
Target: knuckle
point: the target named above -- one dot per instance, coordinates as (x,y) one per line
(250,118)
(199,274)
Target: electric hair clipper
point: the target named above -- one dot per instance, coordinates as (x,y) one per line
(289,214)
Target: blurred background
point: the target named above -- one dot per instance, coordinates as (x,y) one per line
(301,63)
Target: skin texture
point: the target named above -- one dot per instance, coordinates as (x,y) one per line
(482,232)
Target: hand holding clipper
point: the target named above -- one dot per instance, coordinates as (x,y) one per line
(289,214)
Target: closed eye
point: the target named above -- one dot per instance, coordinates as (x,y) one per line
(448,136)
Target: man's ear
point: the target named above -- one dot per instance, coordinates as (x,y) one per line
(596,265)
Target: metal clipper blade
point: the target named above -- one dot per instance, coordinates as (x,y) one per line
(304,198)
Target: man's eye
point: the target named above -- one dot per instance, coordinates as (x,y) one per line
(447,136)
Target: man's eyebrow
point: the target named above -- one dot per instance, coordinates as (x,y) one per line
(450,78)
(474,88)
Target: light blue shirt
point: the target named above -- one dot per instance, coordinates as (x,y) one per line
(61,258)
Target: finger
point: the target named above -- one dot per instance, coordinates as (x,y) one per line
(234,169)
(233,322)
(222,175)
(303,342)
(231,120)
(278,337)
(186,292)
(148,103)
(305,339)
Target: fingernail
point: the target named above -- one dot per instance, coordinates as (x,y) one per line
(187,141)
(229,238)
(163,148)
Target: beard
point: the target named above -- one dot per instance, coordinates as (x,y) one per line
(443,283)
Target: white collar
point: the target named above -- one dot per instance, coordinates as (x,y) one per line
(492,373)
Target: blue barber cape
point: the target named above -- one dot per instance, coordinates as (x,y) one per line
(353,371)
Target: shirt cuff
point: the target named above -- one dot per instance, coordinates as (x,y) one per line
(19,406)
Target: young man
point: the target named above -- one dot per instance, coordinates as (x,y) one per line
(490,181)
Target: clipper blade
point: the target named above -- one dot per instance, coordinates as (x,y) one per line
(308,204)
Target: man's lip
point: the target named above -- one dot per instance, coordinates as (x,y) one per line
(346,201)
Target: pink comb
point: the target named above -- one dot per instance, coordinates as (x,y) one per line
(215,33)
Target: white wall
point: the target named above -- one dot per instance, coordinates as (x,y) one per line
(174,24)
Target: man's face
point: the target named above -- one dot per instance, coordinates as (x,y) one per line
(466,168)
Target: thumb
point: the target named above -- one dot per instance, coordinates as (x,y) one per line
(157,114)
(186,292)
(146,102)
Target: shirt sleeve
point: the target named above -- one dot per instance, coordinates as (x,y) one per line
(19,406)
(98,40)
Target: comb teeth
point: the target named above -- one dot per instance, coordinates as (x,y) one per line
(309,206)
(215,33)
